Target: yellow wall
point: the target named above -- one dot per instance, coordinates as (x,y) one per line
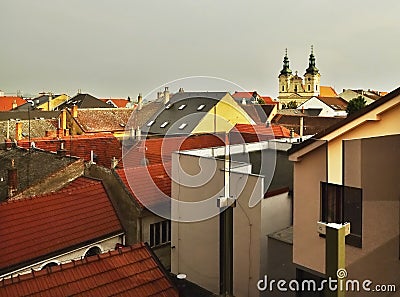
(226,114)
(54,102)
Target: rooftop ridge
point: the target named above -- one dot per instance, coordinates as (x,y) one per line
(74,263)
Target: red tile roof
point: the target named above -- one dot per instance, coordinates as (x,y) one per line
(118,102)
(6,102)
(130,271)
(36,227)
(157,150)
(104,145)
(248,95)
(254,133)
(148,182)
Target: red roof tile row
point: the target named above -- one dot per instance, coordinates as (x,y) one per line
(254,133)
(104,146)
(150,184)
(6,102)
(33,228)
(130,271)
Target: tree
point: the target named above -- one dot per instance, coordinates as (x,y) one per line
(355,104)
(291,105)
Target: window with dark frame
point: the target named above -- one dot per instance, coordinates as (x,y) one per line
(160,233)
(341,204)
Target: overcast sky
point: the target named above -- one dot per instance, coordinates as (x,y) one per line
(117,48)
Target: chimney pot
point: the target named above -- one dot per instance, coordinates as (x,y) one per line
(18,131)
(166,95)
(74,111)
(140,102)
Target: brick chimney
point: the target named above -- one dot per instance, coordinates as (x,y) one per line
(140,102)
(166,95)
(18,131)
(74,111)
(12,180)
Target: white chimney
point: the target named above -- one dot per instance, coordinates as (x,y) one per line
(166,95)
(138,133)
(140,102)
(301,126)
(244,101)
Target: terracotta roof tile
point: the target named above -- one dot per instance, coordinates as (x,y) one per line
(35,227)
(117,102)
(6,102)
(104,145)
(129,271)
(254,133)
(148,182)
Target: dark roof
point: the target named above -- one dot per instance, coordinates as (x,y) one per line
(84,101)
(312,125)
(189,114)
(143,116)
(259,113)
(347,120)
(128,271)
(32,167)
(36,228)
(25,115)
(104,146)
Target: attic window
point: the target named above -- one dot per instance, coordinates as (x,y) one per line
(182,126)
(163,125)
(201,107)
(182,106)
(150,123)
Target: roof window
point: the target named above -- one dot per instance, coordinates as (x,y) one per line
(163,125)
(150,123)
(182,126)
(182,106)
(201,107)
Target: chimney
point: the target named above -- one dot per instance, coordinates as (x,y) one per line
(244,101)
(301,126)
(166,95)
(159,95)
(291,133)
(267,123)
(62,152)
(132,133)
(63,120)
(12,180)
(138,133)
(18,130)
(14,104)
(60,132)
(74,111)
(181,90)
(139,102)
(114,162)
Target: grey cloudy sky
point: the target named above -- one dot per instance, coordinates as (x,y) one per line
(121,47)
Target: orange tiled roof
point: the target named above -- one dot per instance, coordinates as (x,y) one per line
(254,133)
(118,102)
(6,102)
(326,91)
(149,181)
(34,228)
(129,271)
(104,145)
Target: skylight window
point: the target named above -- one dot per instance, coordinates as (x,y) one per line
(163,125)
(168,106)
(182,106)
(150,123)
(182,126)
(201,107)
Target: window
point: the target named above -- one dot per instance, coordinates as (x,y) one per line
(295,89)
(150,123)
(95,250)
(160,233)
(283,88)
(163,125)
(316,88)
(201,107)
(182,106)
(168,106)
(341,204)
(309,87)
(181,127)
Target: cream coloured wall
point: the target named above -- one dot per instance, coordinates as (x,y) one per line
(223,117)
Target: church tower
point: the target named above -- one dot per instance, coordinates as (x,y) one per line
(312,76)
(285,77)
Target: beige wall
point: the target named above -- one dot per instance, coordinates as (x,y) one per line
(195,245)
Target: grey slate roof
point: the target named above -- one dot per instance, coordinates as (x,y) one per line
(84,101)
(176,116)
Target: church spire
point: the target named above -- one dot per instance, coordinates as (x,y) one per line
(312,69)
(286,70)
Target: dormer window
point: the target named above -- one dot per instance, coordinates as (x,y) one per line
(182,126)
(150,123)
(182,106)
(163,125)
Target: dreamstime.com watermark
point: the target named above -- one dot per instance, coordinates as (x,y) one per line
(331,284)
